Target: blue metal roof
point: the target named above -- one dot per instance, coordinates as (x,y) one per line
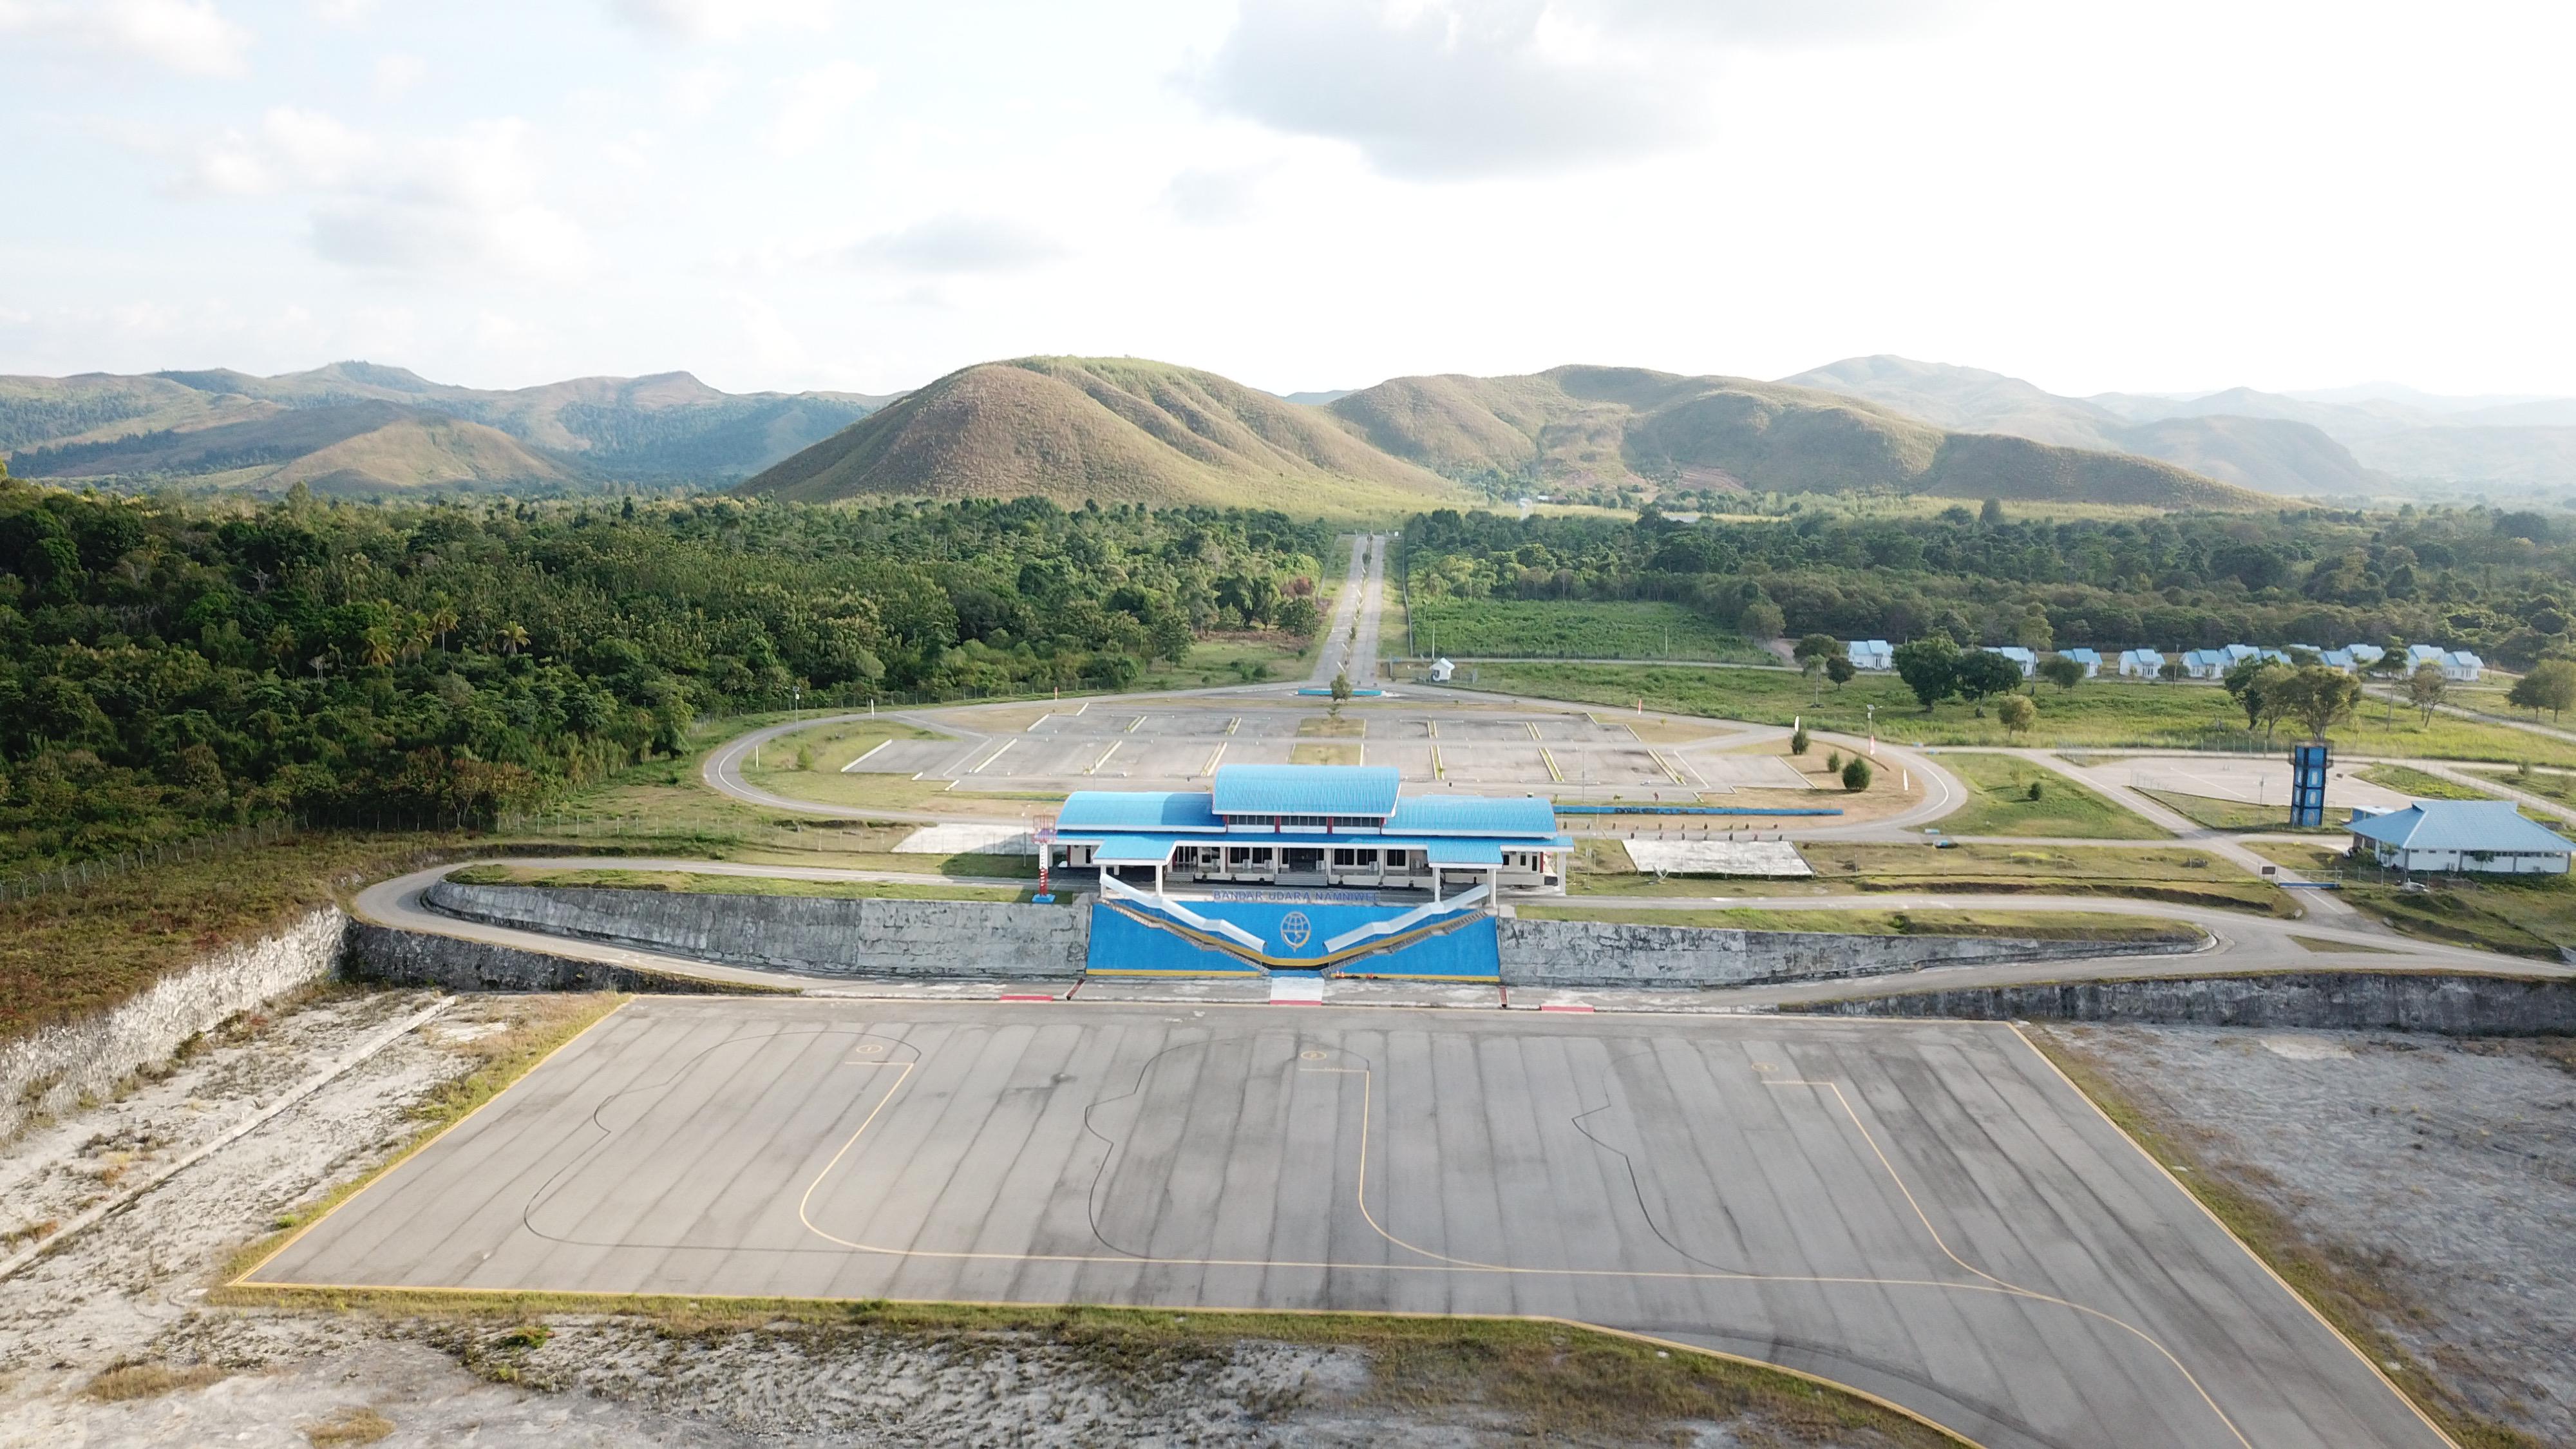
(2460,825)
(1143,849)
(1305,790)
(1473,815)
(1088,810)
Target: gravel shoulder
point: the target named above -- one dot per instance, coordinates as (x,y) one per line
(2432,1179)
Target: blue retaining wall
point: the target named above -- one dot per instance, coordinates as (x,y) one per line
(1452,947)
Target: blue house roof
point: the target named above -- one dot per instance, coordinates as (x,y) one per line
(1305,790)
(2460,825)
(1086,810)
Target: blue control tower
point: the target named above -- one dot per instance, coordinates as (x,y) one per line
(2307,785)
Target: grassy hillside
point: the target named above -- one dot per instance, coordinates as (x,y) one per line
(1576,426)
(349,447)
(2261,449)
(2272,454)
(1965,399)
(665,427)
(1114,430)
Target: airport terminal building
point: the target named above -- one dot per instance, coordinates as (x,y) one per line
(1312,825)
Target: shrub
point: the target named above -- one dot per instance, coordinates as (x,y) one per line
(2038,788)
(1798,742)
(1856,774)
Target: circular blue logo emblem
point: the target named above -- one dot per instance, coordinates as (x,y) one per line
(1295,929)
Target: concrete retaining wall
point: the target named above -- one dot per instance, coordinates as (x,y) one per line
(391,956)
(811,934)
(1607,953)
(49,1073)
(2457,1005)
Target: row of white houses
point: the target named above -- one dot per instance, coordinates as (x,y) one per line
(2455,664)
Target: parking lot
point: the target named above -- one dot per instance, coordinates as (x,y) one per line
(1181,747)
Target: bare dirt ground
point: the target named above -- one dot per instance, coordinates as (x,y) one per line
(2437,1174)
(109,1340)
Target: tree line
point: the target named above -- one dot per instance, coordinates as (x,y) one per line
(168,666)
(2500,583)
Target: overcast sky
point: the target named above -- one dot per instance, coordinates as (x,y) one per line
(1298,193)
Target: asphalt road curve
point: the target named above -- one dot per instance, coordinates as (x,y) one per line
(1924,1211)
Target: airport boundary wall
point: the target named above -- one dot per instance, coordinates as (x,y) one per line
(2443,1003)
(1624,954)
(811,935)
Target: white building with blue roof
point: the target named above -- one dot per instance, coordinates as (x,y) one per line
(1870,654)
(2091,659)
(1312,825)
(2462,835)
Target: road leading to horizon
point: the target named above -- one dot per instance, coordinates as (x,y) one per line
(1362,603)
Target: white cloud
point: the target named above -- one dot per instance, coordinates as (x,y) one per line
(696,92)
(397,75)
(190,37)
(723,20)
(1451,88)
(474,202)
(316,149)
(957,244)
(291,149)
(341,12)
(1213,196)
(810,105)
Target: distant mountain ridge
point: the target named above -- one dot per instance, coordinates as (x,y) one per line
(233,429)
(2339,443)
(1127,430)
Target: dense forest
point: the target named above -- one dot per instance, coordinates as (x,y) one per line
(2496,582)
(168,667)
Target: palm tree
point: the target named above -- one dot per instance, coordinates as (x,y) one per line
(511,638)
(442,622)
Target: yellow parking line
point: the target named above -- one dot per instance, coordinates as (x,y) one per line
(1210,767)
(1531,726)
(1234,724)
(1131,725)
(1668,768)
(997,754)
(1437,773)
(1553,772)
(1104,757)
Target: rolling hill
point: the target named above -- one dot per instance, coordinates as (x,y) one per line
(1117,430)
(356,447)
(590,431)
(2272,451)
(1600,424)
(2371,441)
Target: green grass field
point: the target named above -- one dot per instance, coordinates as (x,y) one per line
(2047,925)
(2421,785)
(2096,714)
(1573,629)
(2236,814)
(2180,874)
(694,882)
(1999,803)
